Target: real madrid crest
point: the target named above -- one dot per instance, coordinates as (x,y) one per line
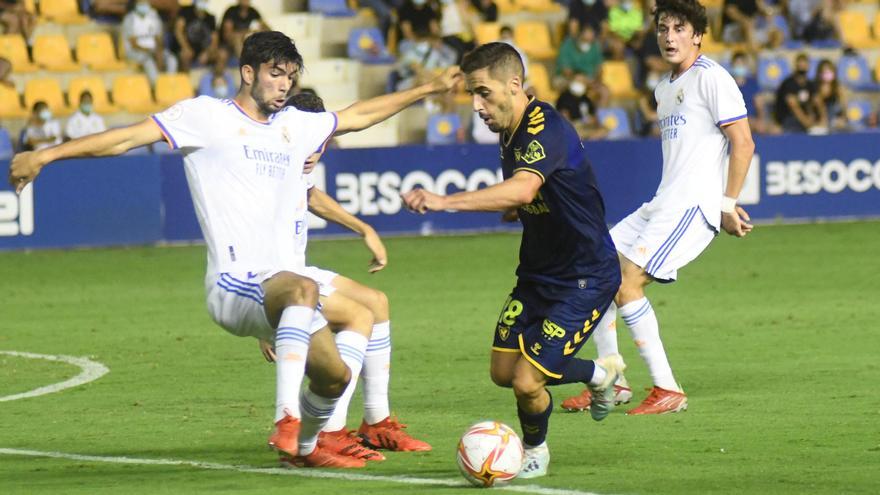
(679,97)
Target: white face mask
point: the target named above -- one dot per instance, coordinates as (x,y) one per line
(201,6)
(142,8)
(584,46)
(577,88)
(45,114)
(626,6)
(419,3)
(221,91)
(652,81)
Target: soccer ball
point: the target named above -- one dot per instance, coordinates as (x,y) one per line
(489,451)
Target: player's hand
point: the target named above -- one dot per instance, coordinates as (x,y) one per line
(736,223)
(421,201)
(374,244)
(268,350)
(23,170)
(447,80)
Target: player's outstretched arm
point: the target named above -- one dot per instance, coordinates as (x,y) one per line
(514,192)
(323,205)
(27,165)
(734,220)
(367,113)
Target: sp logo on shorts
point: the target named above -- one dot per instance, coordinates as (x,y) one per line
(503,332)
(552,330)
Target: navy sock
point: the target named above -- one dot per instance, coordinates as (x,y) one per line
(535,426)
(576,371)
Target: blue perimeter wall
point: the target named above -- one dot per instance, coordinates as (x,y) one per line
(144,199)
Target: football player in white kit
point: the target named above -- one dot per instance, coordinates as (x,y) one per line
(243,159)
(701,115)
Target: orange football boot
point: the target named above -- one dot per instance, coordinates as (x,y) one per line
(322,458)
(284,438)
(581,402)
(661,401)
(388,434)
(344,442)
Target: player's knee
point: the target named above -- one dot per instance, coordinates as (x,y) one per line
(380,306)
(628,293)
(502,378)
(300,291)
(526,387)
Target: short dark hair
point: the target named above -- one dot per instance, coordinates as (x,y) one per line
(500,58)
(686,10)
(307,101)
(269,46)
(85,93)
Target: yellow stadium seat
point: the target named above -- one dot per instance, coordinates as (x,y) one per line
(96,86)
(618,78)
(877,26)
(47,90)
(14,49)
(30,6)
(539,79)
(533,37)
(544,6)
(171,88)
(95,50)
(10,103)
(62,12)
(487,32)
(52,52)
(710,45)
(506,6)
(855,30)
(132,94)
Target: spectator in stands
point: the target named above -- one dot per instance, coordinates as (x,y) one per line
(15,19)
(142,36)
(625,21)
(417,16)
(385,12)
(795,110)
(109,8)
(217,82)
(829,97)
(650,63)
(5,71)
(574,104)
(506,36)
(419,60)
(647,112)
(456,26)
(583,12)
(741,70)
(582,56)
(42,130)
(239,21)
(195,35)
(740,24)
(486,9)
(813,20)
(85,121)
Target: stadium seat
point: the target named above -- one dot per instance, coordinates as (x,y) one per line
(543,6)
(443,128)
(540,80)
(331,8)
(616,121)
(853,71)
(710,45)
(132,94)
(857,114)
(96,51)
(52,52)
(855,31)
(367,46)
(771,71)
(487,32)
(617,77)
(533,37)
(171,88)
(506,6)
(10,104)
(14,49)
(47,90)
(62,12)
(6,149)
(96,86)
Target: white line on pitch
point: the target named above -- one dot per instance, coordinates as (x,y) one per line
(91,371)
(303,473)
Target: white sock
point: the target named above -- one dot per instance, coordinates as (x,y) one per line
(605,333)
(599,375)
(351,346)
(377,374)
(291,349)
(642,322)
(316,410)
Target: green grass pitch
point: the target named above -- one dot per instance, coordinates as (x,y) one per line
(774,337)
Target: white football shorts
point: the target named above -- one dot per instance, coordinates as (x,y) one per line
(323,278)
(663,242)
(235,302)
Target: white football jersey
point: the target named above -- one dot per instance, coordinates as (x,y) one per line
(301,229)
(691,110)
(245,177)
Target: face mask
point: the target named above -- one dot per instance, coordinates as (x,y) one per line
(221,91)
(419,3)
(45,114)
(739,71)
(202,5)
(801,72)
(577,88)
(584,46)
(86,108)
(827,75)
(652,81)
(626,6)
(142,8)
(589,3)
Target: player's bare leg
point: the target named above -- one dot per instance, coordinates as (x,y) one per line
(378,428)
